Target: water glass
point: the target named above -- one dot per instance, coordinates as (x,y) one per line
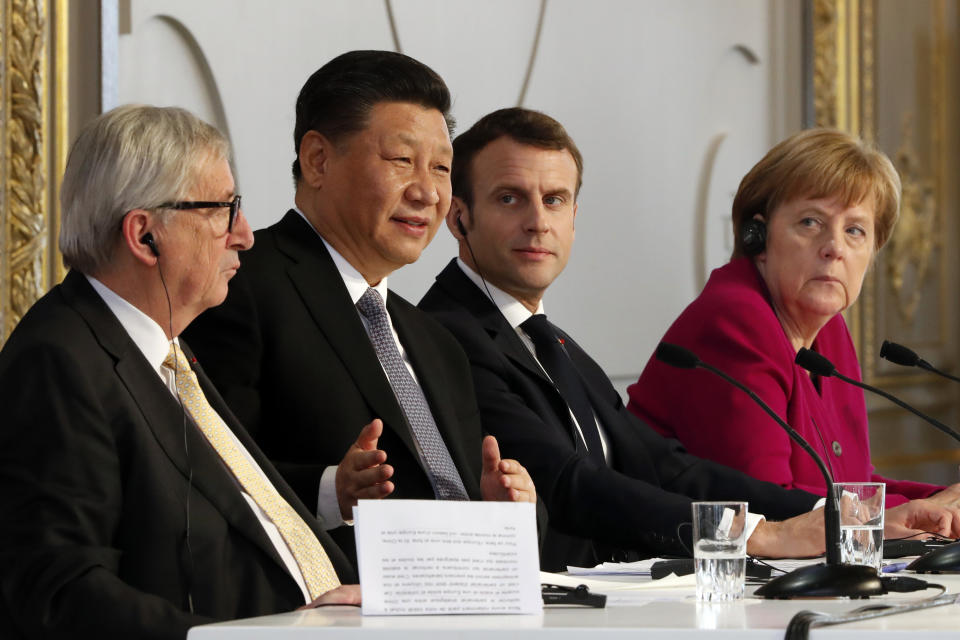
(720,549)
(861,522)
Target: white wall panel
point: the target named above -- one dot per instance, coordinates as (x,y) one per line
(648,88)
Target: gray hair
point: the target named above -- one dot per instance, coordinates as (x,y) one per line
(132,157)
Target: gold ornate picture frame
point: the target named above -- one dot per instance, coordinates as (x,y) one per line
(33,115)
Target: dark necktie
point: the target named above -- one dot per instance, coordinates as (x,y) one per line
(446,481)
(558,365)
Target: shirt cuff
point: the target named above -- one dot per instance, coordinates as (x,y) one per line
(328,507)
(753,519)
(819,504)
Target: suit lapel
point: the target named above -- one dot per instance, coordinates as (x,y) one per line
(608,405)
(321,288)
(165,418)
(459,287)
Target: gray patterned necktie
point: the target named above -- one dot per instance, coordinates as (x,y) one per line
(446,482)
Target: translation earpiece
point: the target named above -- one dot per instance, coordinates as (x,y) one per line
(148,240)
(463,229)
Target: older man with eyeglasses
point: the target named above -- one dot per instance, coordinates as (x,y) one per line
(134,503)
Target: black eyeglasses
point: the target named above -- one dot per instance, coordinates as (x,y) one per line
(233,205)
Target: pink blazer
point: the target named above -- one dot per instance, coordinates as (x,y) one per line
(732,326)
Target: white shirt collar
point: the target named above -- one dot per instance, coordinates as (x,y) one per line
(512,309)
(145,333)
(356,284)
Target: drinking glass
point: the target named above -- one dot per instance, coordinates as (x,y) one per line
(861,522)
(720,549)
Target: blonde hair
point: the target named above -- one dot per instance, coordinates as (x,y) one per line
(820,163)
(132,157)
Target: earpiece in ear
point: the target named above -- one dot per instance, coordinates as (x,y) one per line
(753,235)
(463,229)
(148,240)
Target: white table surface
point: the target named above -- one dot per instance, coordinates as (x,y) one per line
(669,613)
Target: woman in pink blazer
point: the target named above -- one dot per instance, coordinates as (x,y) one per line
(808,220)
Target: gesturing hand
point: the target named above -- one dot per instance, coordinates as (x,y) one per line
(362,473)
(504,480)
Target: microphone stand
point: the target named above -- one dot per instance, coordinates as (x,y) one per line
(832,579)
(816,363)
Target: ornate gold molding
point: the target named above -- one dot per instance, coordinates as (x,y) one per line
(868,57)
(25,199)
(26,218)
(825,36)
(836,63)
(59,135)
(911,248)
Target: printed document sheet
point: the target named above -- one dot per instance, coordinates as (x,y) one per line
(442,557)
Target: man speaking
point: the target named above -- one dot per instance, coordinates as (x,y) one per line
(351,390)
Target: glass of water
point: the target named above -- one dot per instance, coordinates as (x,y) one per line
(861,522)
(720,549)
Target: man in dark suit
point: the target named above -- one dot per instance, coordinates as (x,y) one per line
(323,369)
(134,504)
(609,482)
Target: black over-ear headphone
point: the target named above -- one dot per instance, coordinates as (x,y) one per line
(753,236)
(148,240)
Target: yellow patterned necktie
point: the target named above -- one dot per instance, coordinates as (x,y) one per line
(318,572)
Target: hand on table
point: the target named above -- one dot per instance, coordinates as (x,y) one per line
(344,594)
(921,516)
(799,537)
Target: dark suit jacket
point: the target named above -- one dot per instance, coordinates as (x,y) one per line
(291,356)
(640,499)
(94,490)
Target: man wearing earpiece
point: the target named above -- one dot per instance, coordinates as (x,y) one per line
(134,503)
(609,482)
(312,350)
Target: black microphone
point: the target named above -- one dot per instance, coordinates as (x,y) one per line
(899,354)
(676,356)
(830,580)
(816,363)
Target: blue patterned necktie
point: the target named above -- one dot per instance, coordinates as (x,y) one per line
(446,481)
